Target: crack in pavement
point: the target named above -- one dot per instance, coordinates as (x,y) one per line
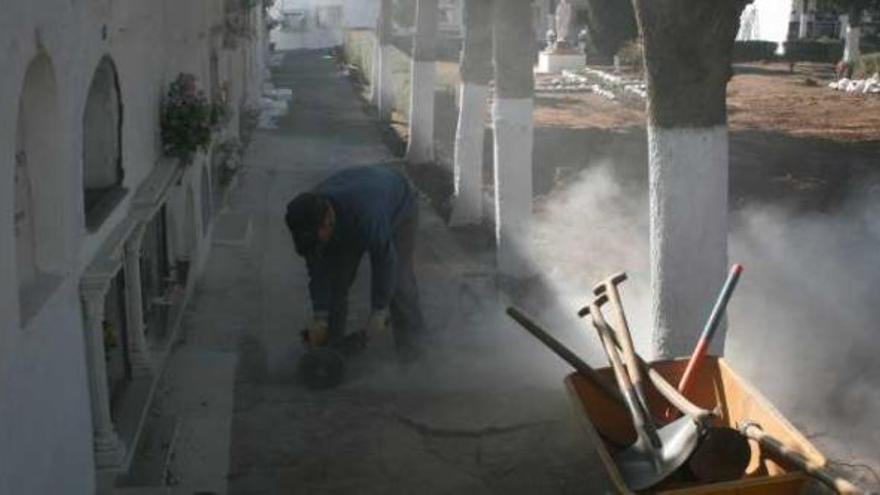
(425,429)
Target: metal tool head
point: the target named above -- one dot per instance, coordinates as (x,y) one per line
(321,368)
(613,280)
(722,455)
(642,466)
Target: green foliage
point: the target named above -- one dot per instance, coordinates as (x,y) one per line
(868,65)
(851,7)
(610,24)
(823,51)
(187,119)
(751,51)
(632,55)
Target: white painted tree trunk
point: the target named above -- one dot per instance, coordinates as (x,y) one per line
(421,115)
(423,75)
(513,59)
(802,27)
(852,48)
(468,159)
(512,121)
(476,71)
(688,176)
(374,71)
(385,102)
(382,85)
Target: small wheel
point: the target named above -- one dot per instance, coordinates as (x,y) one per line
(321,368)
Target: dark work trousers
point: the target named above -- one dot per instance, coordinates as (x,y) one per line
(406,319)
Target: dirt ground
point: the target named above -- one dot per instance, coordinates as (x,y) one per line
(761,97)
(787,138)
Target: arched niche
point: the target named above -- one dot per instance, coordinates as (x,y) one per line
(39,209)
(102,146)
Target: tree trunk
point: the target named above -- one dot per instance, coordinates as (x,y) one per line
(610,24)
(424,68)
(375,55)
(513,53)
(688,164)
(476,71)
(383,94)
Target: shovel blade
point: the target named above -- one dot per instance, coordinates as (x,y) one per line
(642,466)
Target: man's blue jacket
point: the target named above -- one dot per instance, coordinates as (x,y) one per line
(370,202)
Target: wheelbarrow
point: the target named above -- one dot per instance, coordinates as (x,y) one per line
(717,387)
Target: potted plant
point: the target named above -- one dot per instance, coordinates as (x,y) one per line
(187,119)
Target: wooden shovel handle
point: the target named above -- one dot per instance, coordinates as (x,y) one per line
(565,353)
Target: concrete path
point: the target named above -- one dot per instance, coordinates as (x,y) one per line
(485,412)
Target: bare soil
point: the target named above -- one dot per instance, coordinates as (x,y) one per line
(760,97)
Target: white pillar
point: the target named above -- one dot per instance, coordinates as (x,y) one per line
(138,350)
(688,179)
(512,121)
(109,450)
(468,156)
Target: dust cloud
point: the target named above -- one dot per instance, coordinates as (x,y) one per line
(803,320)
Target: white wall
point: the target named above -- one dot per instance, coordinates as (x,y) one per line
(45,406)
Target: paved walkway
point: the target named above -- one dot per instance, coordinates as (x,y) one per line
(485,412)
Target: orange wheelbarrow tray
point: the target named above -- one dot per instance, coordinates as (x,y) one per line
(716,385)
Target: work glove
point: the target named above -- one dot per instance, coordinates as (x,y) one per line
(378,323)
(318,329)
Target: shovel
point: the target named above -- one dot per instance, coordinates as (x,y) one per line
(656,454)
(722,454)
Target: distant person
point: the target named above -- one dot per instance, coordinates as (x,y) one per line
(368,209)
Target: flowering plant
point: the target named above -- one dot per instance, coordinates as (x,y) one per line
(186,119)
